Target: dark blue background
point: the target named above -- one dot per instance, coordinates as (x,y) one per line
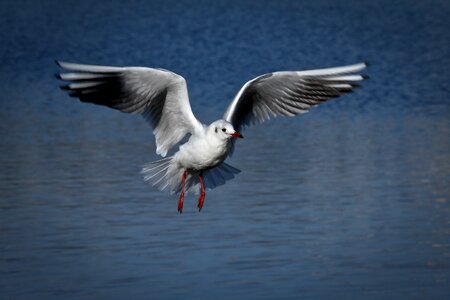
(349,201)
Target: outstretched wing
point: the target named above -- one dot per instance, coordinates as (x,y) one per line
(159,95)
(289,93)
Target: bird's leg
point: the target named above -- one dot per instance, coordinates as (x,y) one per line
(201,199)
(180,202)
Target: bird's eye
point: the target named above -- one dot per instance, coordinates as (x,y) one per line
(215,130)
(223,129)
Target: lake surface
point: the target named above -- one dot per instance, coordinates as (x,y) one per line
(349,201)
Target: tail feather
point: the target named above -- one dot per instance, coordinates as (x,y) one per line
(219,175)
(155,171)
(166,174)
(152,169)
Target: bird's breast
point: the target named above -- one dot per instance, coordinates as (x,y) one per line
(201,155)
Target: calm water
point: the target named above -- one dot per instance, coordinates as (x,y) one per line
(350,201)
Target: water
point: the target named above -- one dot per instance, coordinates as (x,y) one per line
(349,201)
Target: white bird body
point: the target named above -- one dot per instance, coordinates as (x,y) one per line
(162,98)
(203,151)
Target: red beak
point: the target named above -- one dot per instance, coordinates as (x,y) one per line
(237,135)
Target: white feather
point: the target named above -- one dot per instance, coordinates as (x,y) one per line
(335,70)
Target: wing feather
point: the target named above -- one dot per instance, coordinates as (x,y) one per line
(160,96)
(289,93)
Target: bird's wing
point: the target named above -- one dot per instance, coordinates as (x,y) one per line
(159,95)
(289,93)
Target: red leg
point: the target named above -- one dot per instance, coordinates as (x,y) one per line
(201,199)
(180,202)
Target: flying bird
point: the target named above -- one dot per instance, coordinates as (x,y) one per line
(161,97)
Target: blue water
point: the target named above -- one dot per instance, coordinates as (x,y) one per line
(349,201)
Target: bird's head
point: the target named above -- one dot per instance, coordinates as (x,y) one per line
(223,130)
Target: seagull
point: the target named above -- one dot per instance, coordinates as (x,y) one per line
(161,97)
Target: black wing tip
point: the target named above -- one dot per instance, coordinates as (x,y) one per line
(58,76)
(365,77)
(65,87)
(366,63)
(58,63)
